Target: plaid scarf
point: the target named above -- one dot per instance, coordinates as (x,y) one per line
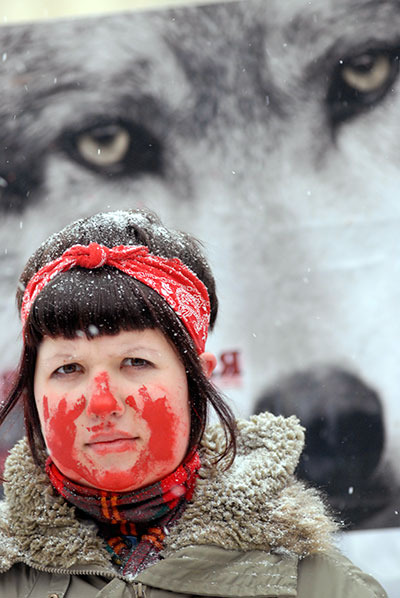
(133,524)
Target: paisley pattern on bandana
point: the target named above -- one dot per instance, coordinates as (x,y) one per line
(170,278)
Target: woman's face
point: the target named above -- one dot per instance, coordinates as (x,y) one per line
(114,410)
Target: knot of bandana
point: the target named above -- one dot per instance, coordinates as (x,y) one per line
(90,256)
(170,278)
(133,524)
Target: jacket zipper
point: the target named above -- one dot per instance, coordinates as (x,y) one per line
(107,574)
(138,587)
(140,590)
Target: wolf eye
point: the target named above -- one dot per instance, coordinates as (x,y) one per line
(367,73)
(360,82)
(104,146)
(115,148)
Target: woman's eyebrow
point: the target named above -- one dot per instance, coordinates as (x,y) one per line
(58,356)
(132,347)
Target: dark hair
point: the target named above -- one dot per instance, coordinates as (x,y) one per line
(105,301)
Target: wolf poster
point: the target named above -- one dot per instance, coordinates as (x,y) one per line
(269,130)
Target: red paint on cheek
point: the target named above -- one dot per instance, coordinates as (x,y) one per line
(163,424)
(45,409)
(61,432)
(102,402)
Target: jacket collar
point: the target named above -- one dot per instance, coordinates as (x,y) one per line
(210,570)
(255,505)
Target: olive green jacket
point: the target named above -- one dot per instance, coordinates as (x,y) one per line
(250,531)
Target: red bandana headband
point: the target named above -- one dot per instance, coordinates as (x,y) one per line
(170,278)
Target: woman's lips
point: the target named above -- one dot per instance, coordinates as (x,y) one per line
(116,443)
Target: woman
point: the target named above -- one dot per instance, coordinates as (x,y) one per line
(118,488)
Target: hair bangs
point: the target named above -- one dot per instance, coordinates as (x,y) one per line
(91,303)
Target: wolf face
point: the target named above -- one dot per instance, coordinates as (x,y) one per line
(267,129)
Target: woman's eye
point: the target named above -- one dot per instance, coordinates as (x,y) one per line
(135,362)
(67,369)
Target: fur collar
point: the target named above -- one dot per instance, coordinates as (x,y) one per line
(255,505)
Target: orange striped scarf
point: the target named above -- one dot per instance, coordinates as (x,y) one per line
(133,524)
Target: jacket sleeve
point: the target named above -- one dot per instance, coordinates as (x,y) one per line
(332,575)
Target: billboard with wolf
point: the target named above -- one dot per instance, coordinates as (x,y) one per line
(268,130)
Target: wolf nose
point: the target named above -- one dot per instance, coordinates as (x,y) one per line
(343,417)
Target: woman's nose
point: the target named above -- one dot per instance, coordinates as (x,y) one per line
(101,401)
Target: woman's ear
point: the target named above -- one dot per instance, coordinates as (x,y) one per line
(208,362)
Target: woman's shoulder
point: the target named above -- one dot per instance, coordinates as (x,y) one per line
(196,570)
(257,507)
(331,574)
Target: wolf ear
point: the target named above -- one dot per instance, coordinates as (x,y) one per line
(208,362)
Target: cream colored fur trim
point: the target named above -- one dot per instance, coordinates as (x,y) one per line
(257,504)
(42,525)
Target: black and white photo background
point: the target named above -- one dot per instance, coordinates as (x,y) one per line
(269,130)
